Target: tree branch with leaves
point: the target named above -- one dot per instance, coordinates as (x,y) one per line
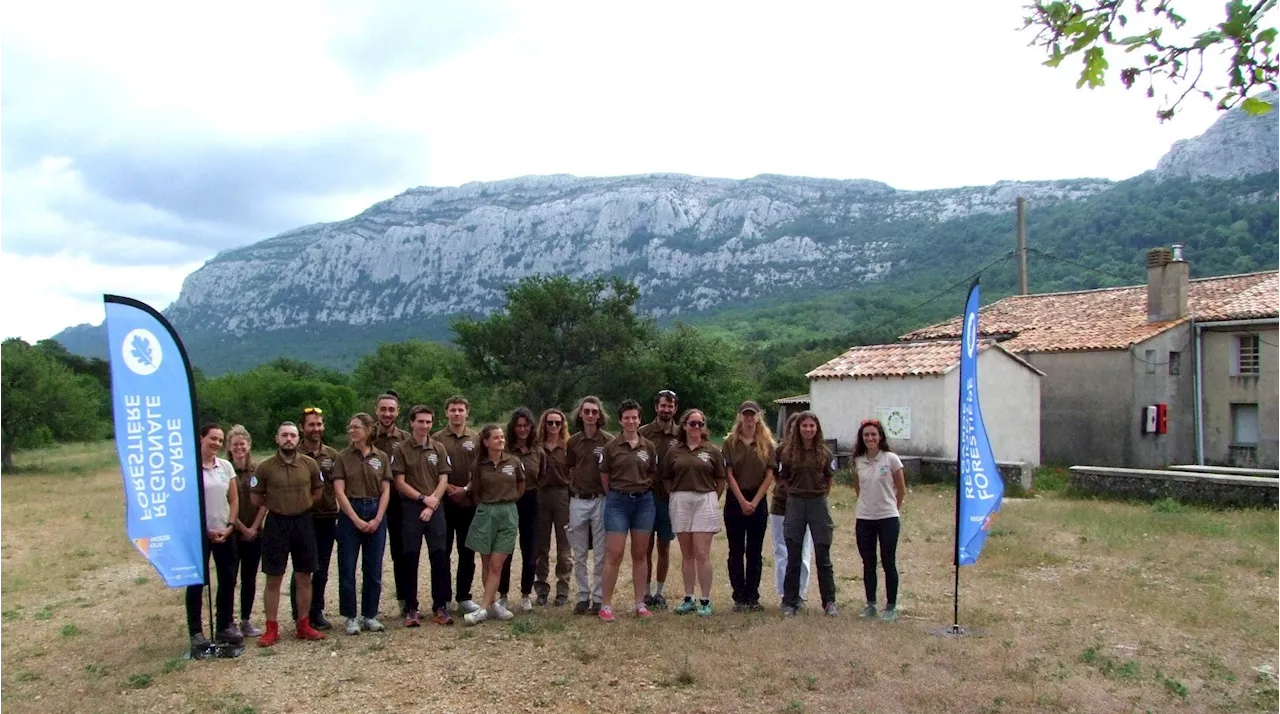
(1064,29)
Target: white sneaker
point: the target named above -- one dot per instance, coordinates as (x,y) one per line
(526,605)
(353,625)
(501,612)
(468,606)
(475,618)
(372,625)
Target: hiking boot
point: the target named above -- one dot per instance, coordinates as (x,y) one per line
(739,607)
(229,635)
(412,619)
(788,611)
(831,609)
(371,624)
(319,621)
(199,643)
(704,609)
(582,608)
(542,601)
(686,606)
(868,612)
(659,603)
(271,636)
(890,614)
(754,606)
(249,630)
(595,608)
(561,600)
(305,631)
(353,625)
(442,616)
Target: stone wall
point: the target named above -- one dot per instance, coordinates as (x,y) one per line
(1149,485)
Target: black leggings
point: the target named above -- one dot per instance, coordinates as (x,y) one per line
(250,552)
(224,558)
(527,508)
(867,533)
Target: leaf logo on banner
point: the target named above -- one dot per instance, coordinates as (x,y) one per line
(142,350)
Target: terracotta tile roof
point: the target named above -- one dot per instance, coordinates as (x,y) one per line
(798,399)
(901,359)
(1110,318)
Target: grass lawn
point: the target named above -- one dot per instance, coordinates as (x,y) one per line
(1080,606)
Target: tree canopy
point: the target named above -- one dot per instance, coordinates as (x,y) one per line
(45,401)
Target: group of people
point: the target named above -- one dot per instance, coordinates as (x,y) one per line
(532,485)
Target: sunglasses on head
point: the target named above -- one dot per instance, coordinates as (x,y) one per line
(869,422)
(667,393)
(313,410)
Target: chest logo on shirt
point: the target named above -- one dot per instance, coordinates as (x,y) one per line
(599,450)
(375,464)
(509,470)
(253,481)
(432,458)
(327,464)
(672,443)
(704,457)
(468,445)
(833,465)
(643,456)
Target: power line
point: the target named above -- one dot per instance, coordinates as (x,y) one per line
(1051,256)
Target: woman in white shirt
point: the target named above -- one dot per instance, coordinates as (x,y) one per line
(880,488)
(217,477)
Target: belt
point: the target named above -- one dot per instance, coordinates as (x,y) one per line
(585,496)
(362,500)
(631,494)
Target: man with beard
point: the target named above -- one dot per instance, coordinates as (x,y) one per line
(386,437)
(663,432)
(324,513)
(287,483)
(461,442)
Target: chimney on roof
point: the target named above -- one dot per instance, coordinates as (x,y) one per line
(1168,275)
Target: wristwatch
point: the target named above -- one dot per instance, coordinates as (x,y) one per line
(422,498)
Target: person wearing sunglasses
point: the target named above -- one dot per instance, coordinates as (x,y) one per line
(553,507)
(586,506)
(880,488)
(807,467)
(324,512)
(695,477)
(664,433)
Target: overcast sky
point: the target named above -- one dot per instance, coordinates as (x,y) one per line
(139,138)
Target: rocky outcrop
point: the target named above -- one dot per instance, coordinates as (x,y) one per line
(1238,144)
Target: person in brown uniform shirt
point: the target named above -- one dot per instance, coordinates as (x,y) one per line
(386,437)
(287,483)
(553,507)
(749,455)
(806,467)
(462,443)
(421,468)
(522,442)
(248,524)
(664,433)
(497,482)
(695,478)
(324,511)
(627,469)
(362,484)
(777,516)
(586,505)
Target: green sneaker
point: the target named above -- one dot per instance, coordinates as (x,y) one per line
(868,612)
(685,607)
(890,614)
(704,610)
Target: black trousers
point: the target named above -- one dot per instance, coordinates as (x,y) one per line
(225,557)
(457,521)
(413,532)
(326,526)
(395,544)
(885,531)
(250,552)
(527,509)
(746,546)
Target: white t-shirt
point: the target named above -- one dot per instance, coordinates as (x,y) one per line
(217,481)
(876,499)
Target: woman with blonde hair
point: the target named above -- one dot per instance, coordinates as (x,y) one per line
(248,524)
(694,474)
(749,458)
(807,468)
(553,507)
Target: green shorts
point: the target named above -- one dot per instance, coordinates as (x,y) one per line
(494,529)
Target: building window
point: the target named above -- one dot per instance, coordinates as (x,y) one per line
(1175,363)
(1149,357)
(1244,424)
(1247,362)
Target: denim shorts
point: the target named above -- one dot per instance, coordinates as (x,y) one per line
(625,511)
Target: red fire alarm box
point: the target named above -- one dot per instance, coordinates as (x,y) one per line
(1162,418)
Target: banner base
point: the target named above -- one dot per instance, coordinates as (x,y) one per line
(956,631)
(216,650)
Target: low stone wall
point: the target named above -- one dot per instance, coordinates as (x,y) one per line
(933,469)
(1151,485)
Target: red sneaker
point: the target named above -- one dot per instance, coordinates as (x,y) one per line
(643,612)
(271,636)
(305,631)
(606,614)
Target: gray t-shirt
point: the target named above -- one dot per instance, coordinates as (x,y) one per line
(876,499)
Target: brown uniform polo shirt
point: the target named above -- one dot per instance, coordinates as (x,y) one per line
(583,461)
(463,452)
(748,469)
(555,468)
(807,472)
(631,469)
(421,464)
(697,470)
(534,461)
(502,482)
(387,441)
(663,440)
(248,511)
(327,456)
(362,474)
(286,486)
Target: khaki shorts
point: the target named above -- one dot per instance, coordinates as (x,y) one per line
(494,528)
(693,512)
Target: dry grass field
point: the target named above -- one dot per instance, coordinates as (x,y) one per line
(1081,606)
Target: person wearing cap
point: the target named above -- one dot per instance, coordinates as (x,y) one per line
(695,476)
(421,469)
(553,507)
(324,512)
(664,433)
(386,437)
(362,484)
(627,470)
(750,459)
(586,506)
(287,483)
(497,482)
(808,468)
(777,517)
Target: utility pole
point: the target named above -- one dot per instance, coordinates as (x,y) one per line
(1022,245)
